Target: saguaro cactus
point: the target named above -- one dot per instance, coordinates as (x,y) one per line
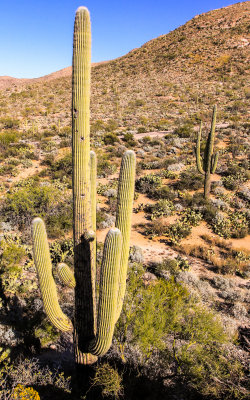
(93,329)
(210,160)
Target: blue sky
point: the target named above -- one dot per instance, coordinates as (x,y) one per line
(36,35)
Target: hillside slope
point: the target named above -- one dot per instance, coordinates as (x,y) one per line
(175,76)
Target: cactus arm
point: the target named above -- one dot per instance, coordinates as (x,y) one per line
(208,155)
(46,280)
(198,151)
(83,249)
(214,162)
(107,305)
(210,143)
(66,276)
(125,197)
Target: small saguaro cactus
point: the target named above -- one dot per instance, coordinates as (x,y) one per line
(210,160)
(92,326)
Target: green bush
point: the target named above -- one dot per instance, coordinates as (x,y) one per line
(110,138)
(164,319)
(191,217)
(184,131)
(9,123)
(11,255)
(109,380)
(177,231)
(24,203)
(8,137)
(129,140)
(105,168)
(148,184)
(162,208)
(190,179)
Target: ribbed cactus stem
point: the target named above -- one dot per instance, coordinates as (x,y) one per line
(210,160)
(125,198)
(214,162)
(107,306)
(46,281)
(83,249)
(66,275)
(198,151)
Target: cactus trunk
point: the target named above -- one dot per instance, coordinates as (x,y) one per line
(83,250)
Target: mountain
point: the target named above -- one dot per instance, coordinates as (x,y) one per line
(175,77)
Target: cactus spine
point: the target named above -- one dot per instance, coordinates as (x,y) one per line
(93,329)
(210,160)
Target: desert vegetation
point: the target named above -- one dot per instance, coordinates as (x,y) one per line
(183,327)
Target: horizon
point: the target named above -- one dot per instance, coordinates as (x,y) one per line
(117,29)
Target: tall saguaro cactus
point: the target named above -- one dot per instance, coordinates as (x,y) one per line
(210,160)
(93,327)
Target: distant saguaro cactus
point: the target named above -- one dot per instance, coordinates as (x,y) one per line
(210,160)
(93,329)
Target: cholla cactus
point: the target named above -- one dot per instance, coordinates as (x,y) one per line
(210,160)
(93,328)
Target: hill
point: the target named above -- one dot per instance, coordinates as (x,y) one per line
(175,76)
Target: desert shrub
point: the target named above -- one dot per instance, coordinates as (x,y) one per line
(25,393)
(156,228)
(184,131)
(111,125)
(46,333)
(12,253)
(235,224)
(65,132)
(164,192)
(148,184)
(110,138)
(139,322)
(244,193)
(209,368)
(231,182)
(161,209)
(105,168)
(209,213)
(163,318)
(235,175)
(221,225)
(191,217)
(151,164)
(24,203)
(61,251)
(108,380)
(190,179)
(8,169)
(9,123)
(129,140)
(8,137)
(141,129)
(103,188)
(164,173)
(177,231)
(172,266)
(59,220)
(28,372)
(62,169)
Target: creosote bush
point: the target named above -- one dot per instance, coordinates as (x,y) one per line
(164,317)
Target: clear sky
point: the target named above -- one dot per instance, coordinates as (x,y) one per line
(36,35)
